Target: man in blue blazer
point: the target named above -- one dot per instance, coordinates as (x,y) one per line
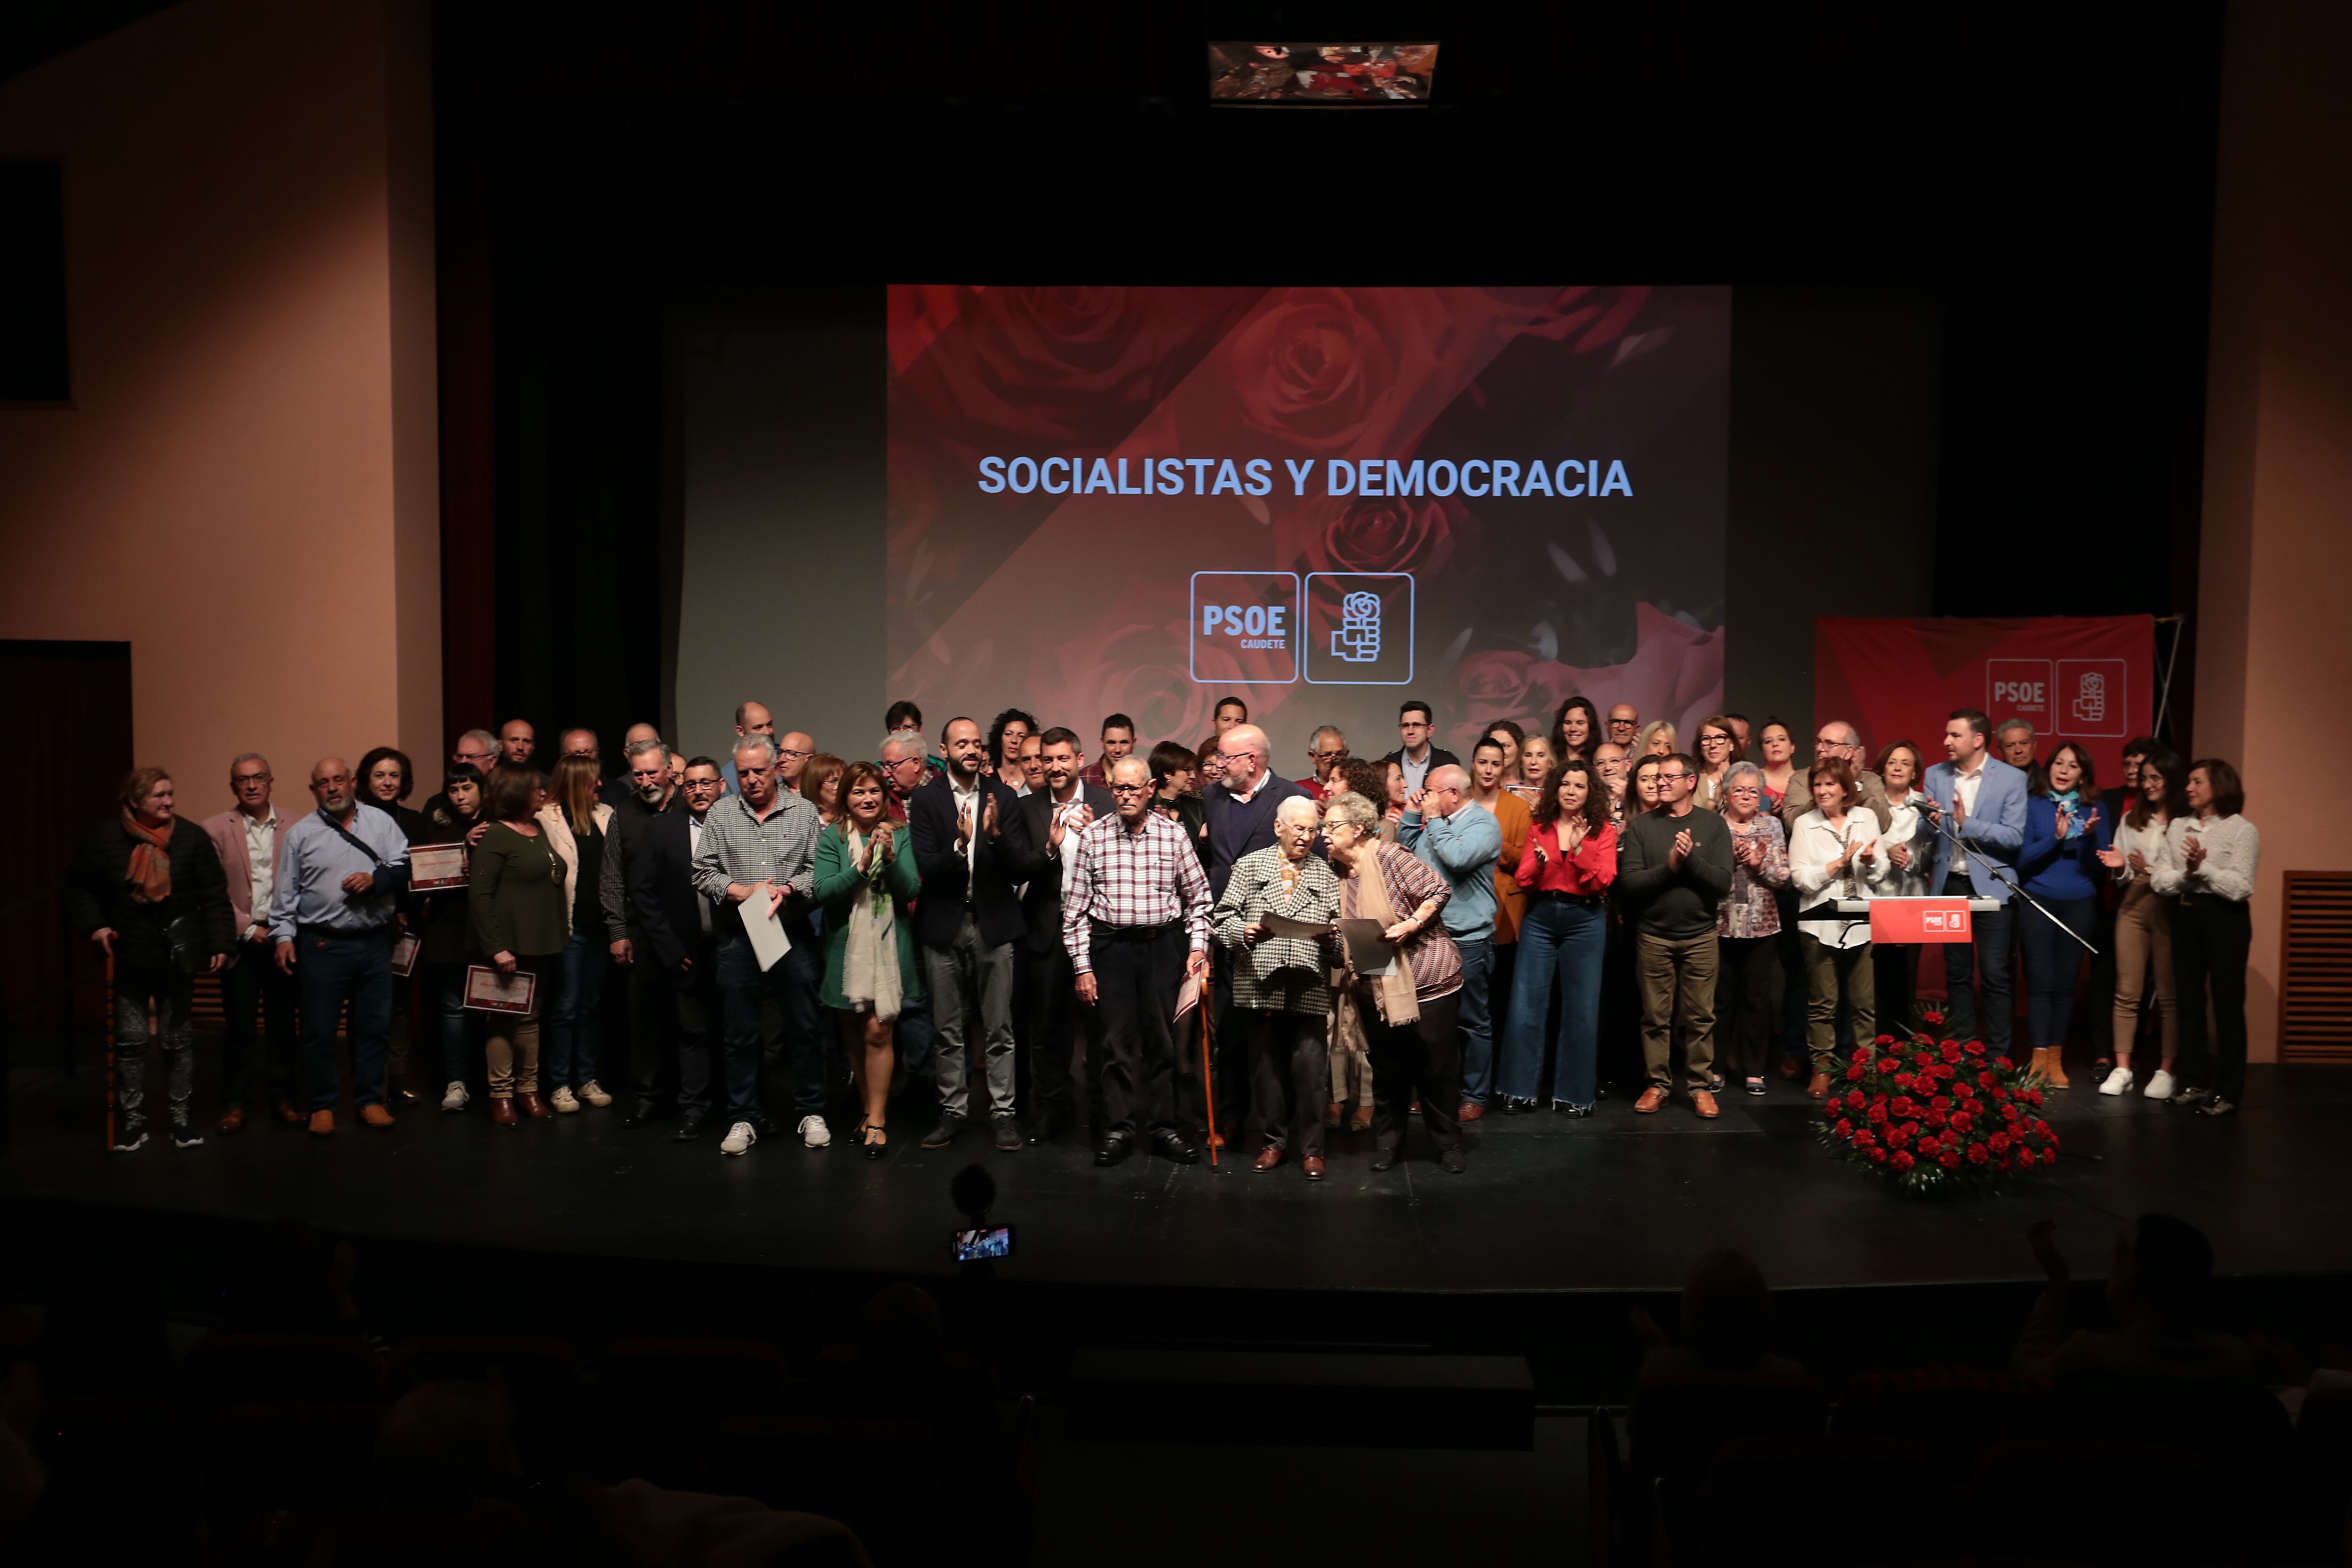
(1981,802)
(964,828)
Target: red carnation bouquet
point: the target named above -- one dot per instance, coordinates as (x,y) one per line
(1937,1116)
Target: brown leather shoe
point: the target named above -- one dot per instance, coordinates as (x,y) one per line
(532,1105)
(1704,1103)
(1361,1122)
(289,1115)
(322,1123)
(1267,1159)
(1651,1098)
(1331,1116)
(503,1111)
(1789,1069)
(1313,1166)
(376,1116)
(1819,1089)
(231,1121)
(1471,1111)
(1216,1140)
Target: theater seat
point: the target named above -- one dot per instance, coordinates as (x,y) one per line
(304,1458)
(1745,1515)
(226,1368)
(876,1477)
(1959,1411)
(2134,1505)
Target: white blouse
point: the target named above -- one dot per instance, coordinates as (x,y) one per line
(1812,846)
(2155,846)
(1906,827)
(2232,849)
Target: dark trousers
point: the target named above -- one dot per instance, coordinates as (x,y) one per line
(1130,1027)
(1744,1003)
(791,985)
(576,1024)
(1475,1022)
(1420,1059)
(261,1005)
(453,1023)
(2052,960)
(1291,1077)
(1898,985)
(1618,1061)
(698,1012)
(653,1025)
(1982,1001)
(1049,981)
(332,971)
(2212,938)
(173,1036)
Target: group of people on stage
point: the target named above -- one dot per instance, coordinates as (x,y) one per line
(1012,932)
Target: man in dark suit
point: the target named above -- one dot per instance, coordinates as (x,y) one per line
(649,795)
(679,940)
(1417,754)
(1239,809)
(1051,820)
(965,829)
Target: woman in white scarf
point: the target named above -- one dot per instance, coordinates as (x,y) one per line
(866,880)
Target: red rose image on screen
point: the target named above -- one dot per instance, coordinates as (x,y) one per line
(1372,533)
(1675,673)
(1121,665)
(1327,369)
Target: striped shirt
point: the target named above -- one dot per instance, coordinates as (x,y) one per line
(1133,879)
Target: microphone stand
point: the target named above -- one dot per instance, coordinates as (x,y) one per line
(1998,872)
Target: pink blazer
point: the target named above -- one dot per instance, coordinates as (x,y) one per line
(227,834)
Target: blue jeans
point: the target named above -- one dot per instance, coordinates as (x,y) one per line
(332,970)
(444,988)
(792,986)
(1477,1038)
(576,1024)
(1562,945)
(2053,960)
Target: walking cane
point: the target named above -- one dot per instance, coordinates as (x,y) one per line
(111,1100)
(1208,1083)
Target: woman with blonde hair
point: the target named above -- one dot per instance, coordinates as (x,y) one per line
(1657,739)
(575,823)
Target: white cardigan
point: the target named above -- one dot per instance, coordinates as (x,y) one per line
(559,838)
(1812,847)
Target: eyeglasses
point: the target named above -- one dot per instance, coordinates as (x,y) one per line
(1671,778)
(1325,756)
(788,756)
(1625,724)
(1232,757)
(1131,789)
(1743,789)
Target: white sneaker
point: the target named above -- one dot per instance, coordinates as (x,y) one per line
(593,1094)
(814,1133)
(2118,1082)
(455,1097)
(561,1099)
(2161,1085)
(739,1140)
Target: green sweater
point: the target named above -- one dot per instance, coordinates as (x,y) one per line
(516,898)
(839,885)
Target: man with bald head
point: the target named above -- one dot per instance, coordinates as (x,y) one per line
(331,914)
(517,741)
(751,718)
(1832,739)
(1238,810)
(1459,839)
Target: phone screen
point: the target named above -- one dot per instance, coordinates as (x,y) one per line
(970,1246)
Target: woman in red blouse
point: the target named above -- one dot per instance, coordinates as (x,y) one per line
(1566,869)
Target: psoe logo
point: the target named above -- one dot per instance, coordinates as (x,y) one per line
(1245,626)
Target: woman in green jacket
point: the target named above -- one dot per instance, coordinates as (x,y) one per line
(516,905)
(866,880)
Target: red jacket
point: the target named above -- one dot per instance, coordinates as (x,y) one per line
(1587,874)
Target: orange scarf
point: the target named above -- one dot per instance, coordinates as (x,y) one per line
(151,860)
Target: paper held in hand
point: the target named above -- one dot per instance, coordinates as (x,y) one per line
(767,936)
(1188,995)
(433,867)
(1283,925)
(404,956)
(1368,949)
(488,990)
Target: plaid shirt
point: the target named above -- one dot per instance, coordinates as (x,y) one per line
(739,848)
(1125,878)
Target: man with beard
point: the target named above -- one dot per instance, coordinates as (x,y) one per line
(340,872)
(1051,820)
(620,787)
(963,828)
(650,795)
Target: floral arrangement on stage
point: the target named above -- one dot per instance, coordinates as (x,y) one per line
(1936,1116)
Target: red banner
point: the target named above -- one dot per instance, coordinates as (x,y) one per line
(2088,680)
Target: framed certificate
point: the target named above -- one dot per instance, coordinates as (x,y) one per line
(404,956)
(488,990)
(433,867)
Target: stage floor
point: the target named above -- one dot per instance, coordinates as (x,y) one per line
(1611,1204)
